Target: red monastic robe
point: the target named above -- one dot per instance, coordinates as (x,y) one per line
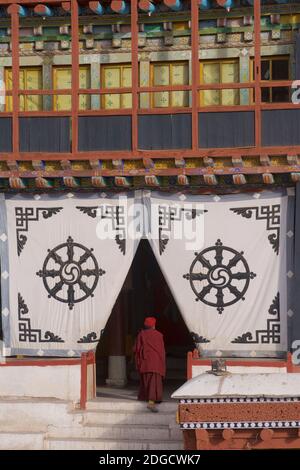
(151,364)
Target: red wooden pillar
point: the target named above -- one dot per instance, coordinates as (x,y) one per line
(195,71)
(13,10)
(83,374)
(75,74)
(135,73)
(257,72)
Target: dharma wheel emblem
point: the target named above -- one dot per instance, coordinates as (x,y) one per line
(70,273)
(219,276)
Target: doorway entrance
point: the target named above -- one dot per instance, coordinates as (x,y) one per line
(144,293)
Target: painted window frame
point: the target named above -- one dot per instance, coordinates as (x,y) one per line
(25,98)
(270,58)
(55,69)
(118,66)
(220,62)
(171,65)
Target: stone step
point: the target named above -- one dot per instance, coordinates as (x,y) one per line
(113,417)
(21,441)
(110,444)
(116,432)
(133,405)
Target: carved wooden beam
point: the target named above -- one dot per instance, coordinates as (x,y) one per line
(17,183)
(268,178)
(21,10)
(183,180)
(174,5)
(71,182)
(147,6)
(43,183)
(43,10)
(239,179)
(152,180)
(122,181)
(96,7)
(211,180)
(98,181)
(119,7)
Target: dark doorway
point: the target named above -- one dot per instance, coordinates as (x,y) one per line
(145,293)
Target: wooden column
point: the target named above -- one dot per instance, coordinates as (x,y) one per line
(257,72)
(195,71)
(75,73)
(135,72)
(15,24)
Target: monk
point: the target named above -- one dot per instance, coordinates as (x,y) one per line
(150,362)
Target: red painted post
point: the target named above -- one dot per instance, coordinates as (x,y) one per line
(83,383)
(257,72)
(195,72)
(135,73)
(13,10)
(75,73)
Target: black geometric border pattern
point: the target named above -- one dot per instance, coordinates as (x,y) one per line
(90,338)
(269,213)
(116,214)
(242,425)
(24,215)
(167,215)
(271,334)
(198,338)
(27,333)
(240,400)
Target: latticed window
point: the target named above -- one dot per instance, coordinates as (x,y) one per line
(62,80)
(274,68)
(221,71)
(117,76)
(166,74)
(30,78)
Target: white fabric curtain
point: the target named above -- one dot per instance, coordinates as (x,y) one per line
(68,257)
(64,259)
(224,258)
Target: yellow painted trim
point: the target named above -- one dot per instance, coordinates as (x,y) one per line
(55,71)
(220,62)
(121,68)
(171,66)
(24,100)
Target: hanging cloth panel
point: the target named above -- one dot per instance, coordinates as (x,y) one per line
(224,258)
(64,262)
